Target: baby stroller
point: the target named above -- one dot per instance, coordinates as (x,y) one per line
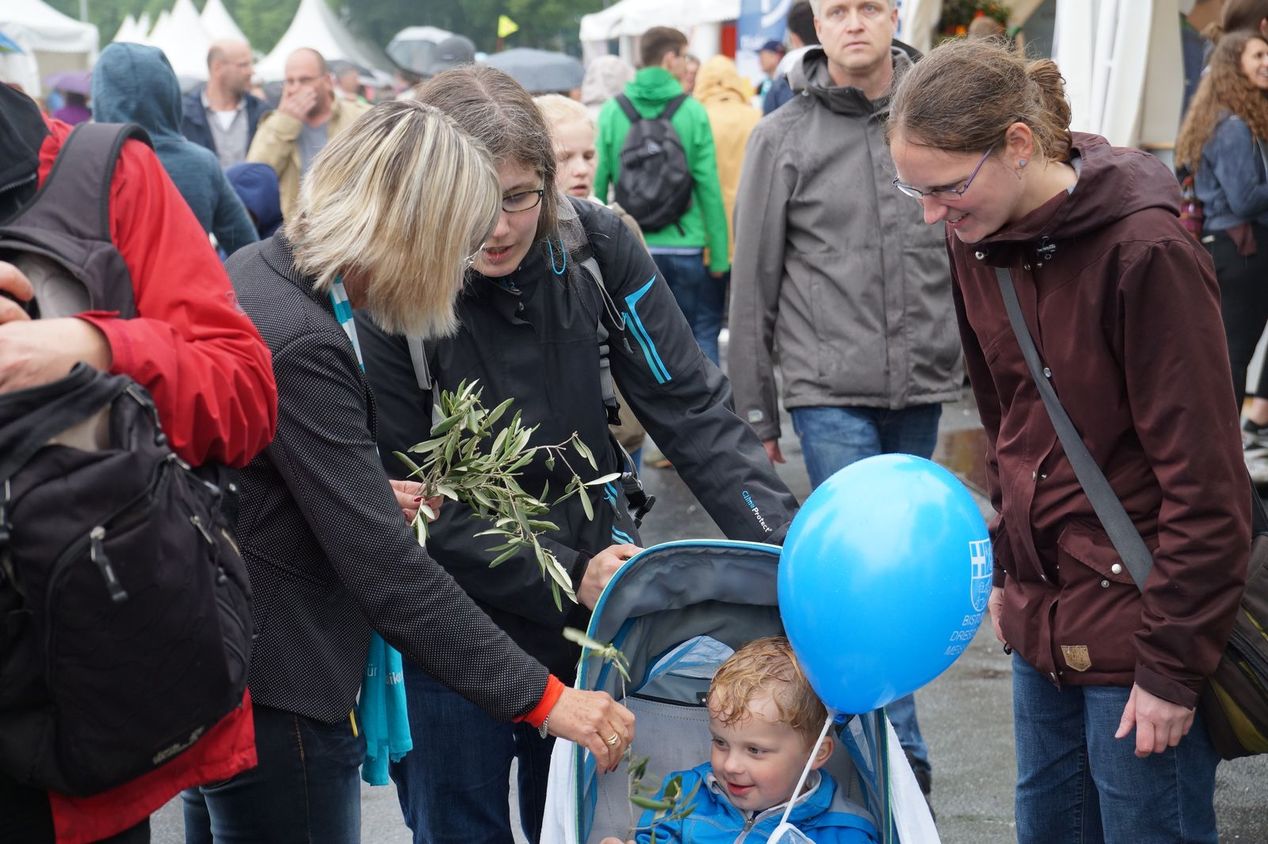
(677,611)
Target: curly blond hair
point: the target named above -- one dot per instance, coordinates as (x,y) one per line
(1223,89)
(766,666)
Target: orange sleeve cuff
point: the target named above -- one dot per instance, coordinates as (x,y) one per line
(536,715)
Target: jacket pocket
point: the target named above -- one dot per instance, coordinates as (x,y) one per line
(1098,608)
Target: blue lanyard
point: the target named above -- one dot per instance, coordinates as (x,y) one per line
(343,313)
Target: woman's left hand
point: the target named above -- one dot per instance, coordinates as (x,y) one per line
(409,496)
(1159,723)
(600,570)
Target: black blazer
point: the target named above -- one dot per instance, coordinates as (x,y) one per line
(325,543)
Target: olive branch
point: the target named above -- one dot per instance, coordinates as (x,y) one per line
(672,804)
(466,461)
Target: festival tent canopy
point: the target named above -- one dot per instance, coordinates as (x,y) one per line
(634,17)
(219,24)
(316,26)
(183,40)
(129,31)
(50,42)
(1121,85)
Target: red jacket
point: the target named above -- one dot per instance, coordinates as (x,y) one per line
(1124,309)
(211,376)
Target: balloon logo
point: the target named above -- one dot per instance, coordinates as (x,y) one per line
(883,579)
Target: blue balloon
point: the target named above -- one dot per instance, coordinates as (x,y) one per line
(883,580)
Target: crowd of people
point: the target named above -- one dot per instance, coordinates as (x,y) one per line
(858,222)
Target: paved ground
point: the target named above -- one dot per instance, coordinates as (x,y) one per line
(965,714)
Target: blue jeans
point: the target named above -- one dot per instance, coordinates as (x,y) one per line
(1076,782)
(699,295)
(455,787)
(833,438)
(307,787)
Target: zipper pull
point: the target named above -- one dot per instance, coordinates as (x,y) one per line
(97,553)
(197,522)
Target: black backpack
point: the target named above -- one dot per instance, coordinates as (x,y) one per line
(125,624)
(655,183)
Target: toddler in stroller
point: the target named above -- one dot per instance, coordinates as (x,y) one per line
(764,720)
(677,612)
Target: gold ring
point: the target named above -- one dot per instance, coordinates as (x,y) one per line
(613,740)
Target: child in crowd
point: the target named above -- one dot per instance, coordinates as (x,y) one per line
(764,719)
(572,132)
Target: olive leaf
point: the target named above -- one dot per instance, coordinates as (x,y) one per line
(469,458)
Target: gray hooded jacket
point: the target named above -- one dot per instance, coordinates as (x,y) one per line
(835,270)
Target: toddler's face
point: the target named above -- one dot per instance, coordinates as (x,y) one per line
(757,759)
(576,157)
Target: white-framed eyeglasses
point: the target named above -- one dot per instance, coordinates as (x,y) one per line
(951,193)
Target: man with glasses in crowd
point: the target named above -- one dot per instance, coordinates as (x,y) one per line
(308,116)
(835,269)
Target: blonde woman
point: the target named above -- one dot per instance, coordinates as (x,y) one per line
(532,320)
(329,555)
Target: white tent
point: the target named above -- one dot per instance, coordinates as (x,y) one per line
(700,21)
(183,40)
(160,25)
(218,23)
(1124,68)
(51,42)
(128,30)
(316,26)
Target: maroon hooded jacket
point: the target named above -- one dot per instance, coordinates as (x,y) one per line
(1124,309)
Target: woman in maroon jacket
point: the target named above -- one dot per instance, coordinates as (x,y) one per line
(1124,309)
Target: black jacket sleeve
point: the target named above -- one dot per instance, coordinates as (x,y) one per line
(327,458)
(682,399)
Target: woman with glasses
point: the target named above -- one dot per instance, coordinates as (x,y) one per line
(536,326)
(1123,308)
(329,554)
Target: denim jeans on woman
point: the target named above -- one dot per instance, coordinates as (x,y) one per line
(306,789)
(1076,782)
(833,438)
(700,296)
(454,788)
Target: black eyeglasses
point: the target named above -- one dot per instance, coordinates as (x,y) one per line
(522,201)
(951,194)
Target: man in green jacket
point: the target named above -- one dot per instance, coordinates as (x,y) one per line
(679,247)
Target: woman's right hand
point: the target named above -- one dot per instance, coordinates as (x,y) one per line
(995,605)
(596,722)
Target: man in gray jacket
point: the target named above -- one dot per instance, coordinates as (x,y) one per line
(835,271)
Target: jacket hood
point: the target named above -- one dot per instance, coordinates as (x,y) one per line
(810,74)
(605,77)
(22,132)
(132,83)
(257,187)
(1114,182)
(654,86)
(719,81)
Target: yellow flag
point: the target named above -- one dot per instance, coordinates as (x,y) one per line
(506,26)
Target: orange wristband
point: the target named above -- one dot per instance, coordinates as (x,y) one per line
(536,715)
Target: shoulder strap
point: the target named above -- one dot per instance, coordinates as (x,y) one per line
(1109,509)
(671,108)
(80,180)
(628,107)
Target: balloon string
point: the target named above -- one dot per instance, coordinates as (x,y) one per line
(805,772)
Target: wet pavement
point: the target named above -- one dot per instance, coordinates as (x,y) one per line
(965,714)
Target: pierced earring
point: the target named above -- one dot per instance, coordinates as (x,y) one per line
(1021,162)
